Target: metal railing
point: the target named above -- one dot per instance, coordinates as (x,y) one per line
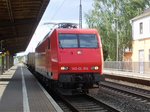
(137,67)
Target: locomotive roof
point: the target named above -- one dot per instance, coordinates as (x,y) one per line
(68,30)
(62,30)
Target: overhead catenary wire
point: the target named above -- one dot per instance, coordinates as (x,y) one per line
(58,9)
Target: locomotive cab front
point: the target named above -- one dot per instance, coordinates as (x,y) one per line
(80,58)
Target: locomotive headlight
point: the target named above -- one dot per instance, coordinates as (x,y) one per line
(94,68)
(64,68)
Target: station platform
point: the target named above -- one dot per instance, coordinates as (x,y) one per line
(21,92)
(134,75)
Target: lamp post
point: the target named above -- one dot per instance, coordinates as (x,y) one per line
(80,15)
(117,39)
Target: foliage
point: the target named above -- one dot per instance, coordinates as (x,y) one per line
(105,16)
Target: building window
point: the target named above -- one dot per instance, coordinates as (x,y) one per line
(141,28)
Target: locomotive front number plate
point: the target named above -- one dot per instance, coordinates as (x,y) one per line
(79,68)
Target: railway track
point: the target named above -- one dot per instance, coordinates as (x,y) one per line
(79,103)
(86,103)
(127,90)
(63,105)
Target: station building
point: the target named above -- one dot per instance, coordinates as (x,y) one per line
(141,40)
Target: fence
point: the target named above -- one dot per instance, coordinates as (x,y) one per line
(137,67)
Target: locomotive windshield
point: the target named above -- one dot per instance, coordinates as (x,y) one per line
(78,41)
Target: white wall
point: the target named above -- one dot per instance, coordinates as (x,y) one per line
(136,28)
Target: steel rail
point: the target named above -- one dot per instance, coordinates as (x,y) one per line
(109,108)
(127,89)
(87,103)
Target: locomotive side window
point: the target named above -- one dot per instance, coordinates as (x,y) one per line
(78,41)
(68,41)
(88,41)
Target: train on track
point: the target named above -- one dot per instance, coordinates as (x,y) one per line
(69,59)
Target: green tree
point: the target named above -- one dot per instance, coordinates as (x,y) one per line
(105,15)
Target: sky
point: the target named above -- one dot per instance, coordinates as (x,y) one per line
(58,11)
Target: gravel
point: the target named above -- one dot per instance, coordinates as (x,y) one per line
(122,102)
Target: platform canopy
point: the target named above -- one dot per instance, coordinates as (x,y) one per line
(18,21)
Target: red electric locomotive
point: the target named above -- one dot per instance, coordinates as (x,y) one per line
(71,59)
